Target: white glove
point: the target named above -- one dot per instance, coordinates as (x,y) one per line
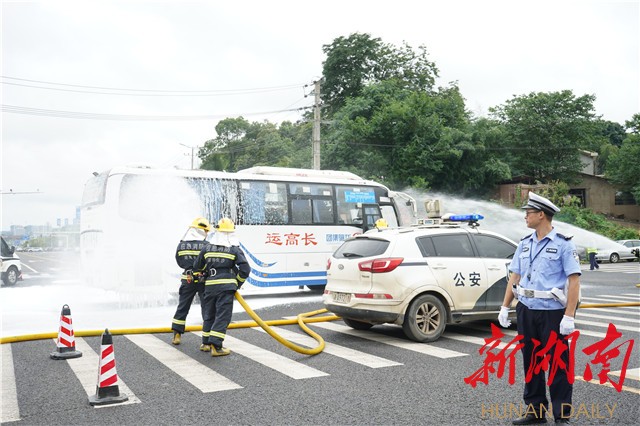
(567,325)
(503,317)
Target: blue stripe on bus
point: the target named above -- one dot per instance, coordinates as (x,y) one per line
(255,259)
(260,283)
(288,274)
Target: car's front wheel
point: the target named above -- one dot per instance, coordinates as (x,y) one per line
(614,258)
(425,319)
(12,276)
(357,325)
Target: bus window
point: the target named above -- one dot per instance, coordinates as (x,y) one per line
(219,197)
(311,203)
(94,190)
(300,212)
(349,203)
(263,203)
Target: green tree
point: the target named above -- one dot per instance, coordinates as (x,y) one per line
(623,166)
(545,132)
(359,60)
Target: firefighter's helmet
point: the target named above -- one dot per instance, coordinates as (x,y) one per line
(381,224)
(226,225)
(201,223)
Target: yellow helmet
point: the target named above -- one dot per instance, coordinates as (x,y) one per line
(201,223)
(381,224)
(225,225)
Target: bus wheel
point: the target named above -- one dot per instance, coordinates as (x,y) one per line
(316,288)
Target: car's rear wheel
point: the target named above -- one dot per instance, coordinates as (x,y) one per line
(357,325)
(425,319)
(11,278)
(614,258)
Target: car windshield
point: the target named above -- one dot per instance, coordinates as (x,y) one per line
(361,247)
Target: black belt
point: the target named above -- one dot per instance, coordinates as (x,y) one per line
(215,271)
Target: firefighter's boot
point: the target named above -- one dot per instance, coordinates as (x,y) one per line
(219,351)
(205,347)
(176,338)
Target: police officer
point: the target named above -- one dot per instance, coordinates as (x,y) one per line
(190,283)
(226,268)
(545,277)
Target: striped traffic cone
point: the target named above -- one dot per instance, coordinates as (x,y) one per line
(66,345)
(107,391)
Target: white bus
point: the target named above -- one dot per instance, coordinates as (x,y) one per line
(288,221)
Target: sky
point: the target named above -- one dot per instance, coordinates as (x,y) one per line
(90,85)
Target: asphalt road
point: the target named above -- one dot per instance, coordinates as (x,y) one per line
(387,380)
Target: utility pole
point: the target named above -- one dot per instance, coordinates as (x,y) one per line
(192,152)
(316,126)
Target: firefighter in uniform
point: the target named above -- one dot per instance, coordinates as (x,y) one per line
(190,283)
(223,263)
(545,278)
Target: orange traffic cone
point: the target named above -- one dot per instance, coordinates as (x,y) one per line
(66,345)
(107,391)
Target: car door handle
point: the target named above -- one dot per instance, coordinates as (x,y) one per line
(438,266)
(495,268)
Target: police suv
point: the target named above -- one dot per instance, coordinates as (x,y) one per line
(10,266)
(421,277)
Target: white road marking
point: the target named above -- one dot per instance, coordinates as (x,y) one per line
(282,364)
(9,410)
(199,375)
(423,348)
(349,354)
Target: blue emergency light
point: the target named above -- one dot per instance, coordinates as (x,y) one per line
(465,217)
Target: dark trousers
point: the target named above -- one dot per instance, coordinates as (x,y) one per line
(218,311)
(186,293)
(592,262)
(537,324)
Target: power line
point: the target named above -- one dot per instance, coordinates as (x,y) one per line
(147,92)
(13,109)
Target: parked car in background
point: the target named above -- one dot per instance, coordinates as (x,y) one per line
(10,265)
(419,277)
(614,253)
(634,245)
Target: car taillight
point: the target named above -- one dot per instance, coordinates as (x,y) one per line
(328,264)
(380,265)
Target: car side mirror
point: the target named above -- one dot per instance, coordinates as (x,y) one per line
(12,250)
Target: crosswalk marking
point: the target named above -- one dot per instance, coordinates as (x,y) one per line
(608,317)
(86,370)
(282,364)
(423,348)
(631,298)
(514,333)
(597,382)
(349,354)
(9,410)
(199,375)
(470,339)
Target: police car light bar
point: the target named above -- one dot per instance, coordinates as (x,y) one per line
(464,217)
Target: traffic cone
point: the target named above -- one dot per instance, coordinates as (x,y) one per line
(107,391)
(66,345)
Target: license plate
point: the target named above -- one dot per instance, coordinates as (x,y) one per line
(341,297)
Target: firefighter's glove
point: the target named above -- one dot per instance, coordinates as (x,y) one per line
(503,317)
(189,274)
(567,325)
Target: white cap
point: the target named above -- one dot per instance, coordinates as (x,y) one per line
(538,202)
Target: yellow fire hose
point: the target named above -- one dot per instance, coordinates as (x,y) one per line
(301,320)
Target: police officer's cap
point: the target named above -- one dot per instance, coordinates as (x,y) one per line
(538,202)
